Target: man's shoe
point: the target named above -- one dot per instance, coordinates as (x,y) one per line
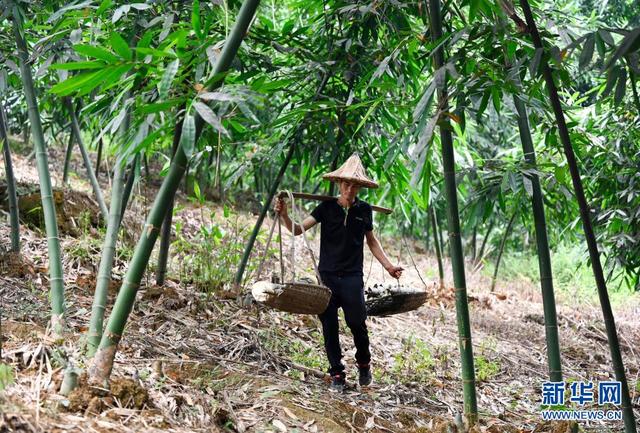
(338,382)
(364,377)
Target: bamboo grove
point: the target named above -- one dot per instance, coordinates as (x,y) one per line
(536,108)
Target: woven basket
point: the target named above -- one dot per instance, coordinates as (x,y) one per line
(296,297)
(388,300)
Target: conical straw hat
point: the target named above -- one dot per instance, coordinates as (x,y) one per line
(353,171)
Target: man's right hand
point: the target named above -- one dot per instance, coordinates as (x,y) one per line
(280,206)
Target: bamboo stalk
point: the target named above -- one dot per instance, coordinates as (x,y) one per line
(14,217)
(102,364)
(99,157)
(75,128)
(94,333)
(106,261)
(453,220)
(165,237)
(67,160)
(503,242)
(56,280)
(436,243)
(592,245)
(542,242)
(131,177)
(483,245)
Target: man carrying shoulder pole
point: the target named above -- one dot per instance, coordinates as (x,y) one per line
(345,223)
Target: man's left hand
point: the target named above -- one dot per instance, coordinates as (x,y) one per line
(395,271)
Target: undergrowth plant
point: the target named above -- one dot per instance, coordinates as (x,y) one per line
(208,257)
(415,361)
(6,376)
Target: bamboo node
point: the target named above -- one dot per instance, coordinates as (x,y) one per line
(150,228)
(128,283)
(115,338)
(57,325)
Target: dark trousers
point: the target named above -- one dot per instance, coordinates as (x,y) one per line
(347,291)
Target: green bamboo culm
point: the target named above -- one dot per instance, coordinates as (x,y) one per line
(165,235)
(14,216)
(102,364)
(75,128)
(56,279)
(592,245)
(106,261)
(67,160)
(99,156)
(94,333)
(542,242)
(453,220)
(483,245)
(503,242)
(128,187)
(436,243)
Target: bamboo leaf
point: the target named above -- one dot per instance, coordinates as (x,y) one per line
(166,27)
(631,42)
(118,120)
(587,51)
(425,100)
(426,134)
(366,116)
(74,83)
(620,87)
(247,112)
(12,66)
(528,186)
(188,135)
(120,46)
(606,36)
(195,19)
(160,106)
(496,98)
(96,52)
(106,4)
(484,102)
(473,9)
(124,9)
(210,117)
(74,66)
(167,78)
(611,81)
(535,62)
(216,96)
(57,14)
(111,75)
(42,70)
(381,69)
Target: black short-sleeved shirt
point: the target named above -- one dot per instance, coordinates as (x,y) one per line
(341,246)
